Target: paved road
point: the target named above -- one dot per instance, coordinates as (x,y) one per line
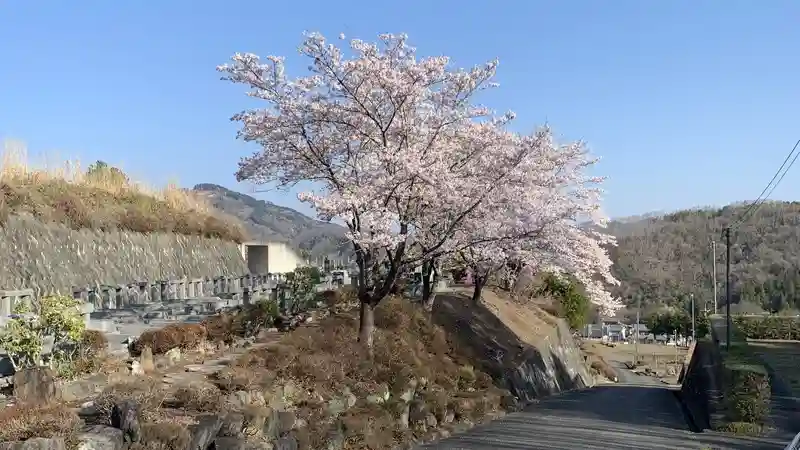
(607,417)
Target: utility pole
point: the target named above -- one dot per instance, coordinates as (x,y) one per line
(694,333)
(728,288)
(714,274)
(636,335)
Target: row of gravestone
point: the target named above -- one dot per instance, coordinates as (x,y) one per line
(242,290)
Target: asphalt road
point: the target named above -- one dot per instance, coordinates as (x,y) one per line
(606,417)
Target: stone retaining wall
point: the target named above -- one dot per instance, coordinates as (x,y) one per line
(52,258)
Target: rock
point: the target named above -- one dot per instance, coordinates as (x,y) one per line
(204,431)
(230,443)
(430,420)
(417,411)
(135,367)
(146,360)
(81,389)
(232,425)
(101,437)
(234,443)
(280,423)
(510,403)
(286,443)
(337,406)
(36,386)
(125,416)
(56,443)
(381,395)
(241,399)
(407,394)
(449,416)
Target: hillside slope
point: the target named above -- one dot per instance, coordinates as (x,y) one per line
(268,221)
(665,259)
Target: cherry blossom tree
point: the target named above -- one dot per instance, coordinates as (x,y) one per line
(378,133)
(544,215)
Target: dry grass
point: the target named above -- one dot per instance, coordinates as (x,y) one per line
(18,423)
(65,193)
(150,393)
(325,360)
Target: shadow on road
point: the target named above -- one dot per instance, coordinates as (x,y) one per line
(606,417)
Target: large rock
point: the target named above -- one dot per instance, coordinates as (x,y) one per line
(204,431)
(125,416)
(101,437)
(36,386)
(56,443)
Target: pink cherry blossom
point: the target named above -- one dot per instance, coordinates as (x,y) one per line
(399,151)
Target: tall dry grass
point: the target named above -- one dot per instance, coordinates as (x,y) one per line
(60,190)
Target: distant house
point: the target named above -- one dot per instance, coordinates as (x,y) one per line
(616,332)
(640,331)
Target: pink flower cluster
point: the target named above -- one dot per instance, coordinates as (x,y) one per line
(400,152)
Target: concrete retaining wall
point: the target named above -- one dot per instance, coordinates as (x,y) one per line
(555,365)
(53,258)
(701,385)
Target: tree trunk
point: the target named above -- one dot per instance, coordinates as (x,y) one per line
(366,325)
(429,278)
(479,282)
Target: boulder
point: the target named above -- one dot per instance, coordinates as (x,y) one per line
(204,431)
(36,386)
(101,437)
(232,425)
(56,443)
(125,416)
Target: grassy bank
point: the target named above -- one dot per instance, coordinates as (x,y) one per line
(102,197)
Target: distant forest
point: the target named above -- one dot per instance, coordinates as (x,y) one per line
(663,260)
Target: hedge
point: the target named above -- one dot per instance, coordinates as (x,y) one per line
(770,327)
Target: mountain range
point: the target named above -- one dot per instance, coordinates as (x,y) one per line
(661,258)
(266,221)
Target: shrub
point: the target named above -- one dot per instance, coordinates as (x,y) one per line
(184,336)
(572,304)
(226,327)
(57,316)
(302,287)
(746,391)
(770,327)
(93,343)
(148,392)
(18,423)
(746,395)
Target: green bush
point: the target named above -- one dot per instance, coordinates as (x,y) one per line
(57,316)
(746,395)
(573,305)
(769,327)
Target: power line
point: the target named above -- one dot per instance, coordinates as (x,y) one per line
(761,197)
(727,233)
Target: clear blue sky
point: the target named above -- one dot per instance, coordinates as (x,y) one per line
(687,102)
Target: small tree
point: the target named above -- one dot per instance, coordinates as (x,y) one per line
(101,172)
(573,305)
(23,338)
(302,285)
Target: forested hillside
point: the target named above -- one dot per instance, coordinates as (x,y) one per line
(665,259)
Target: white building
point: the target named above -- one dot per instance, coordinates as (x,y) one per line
(270,257)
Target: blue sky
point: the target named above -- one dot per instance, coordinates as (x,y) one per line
(687,102)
